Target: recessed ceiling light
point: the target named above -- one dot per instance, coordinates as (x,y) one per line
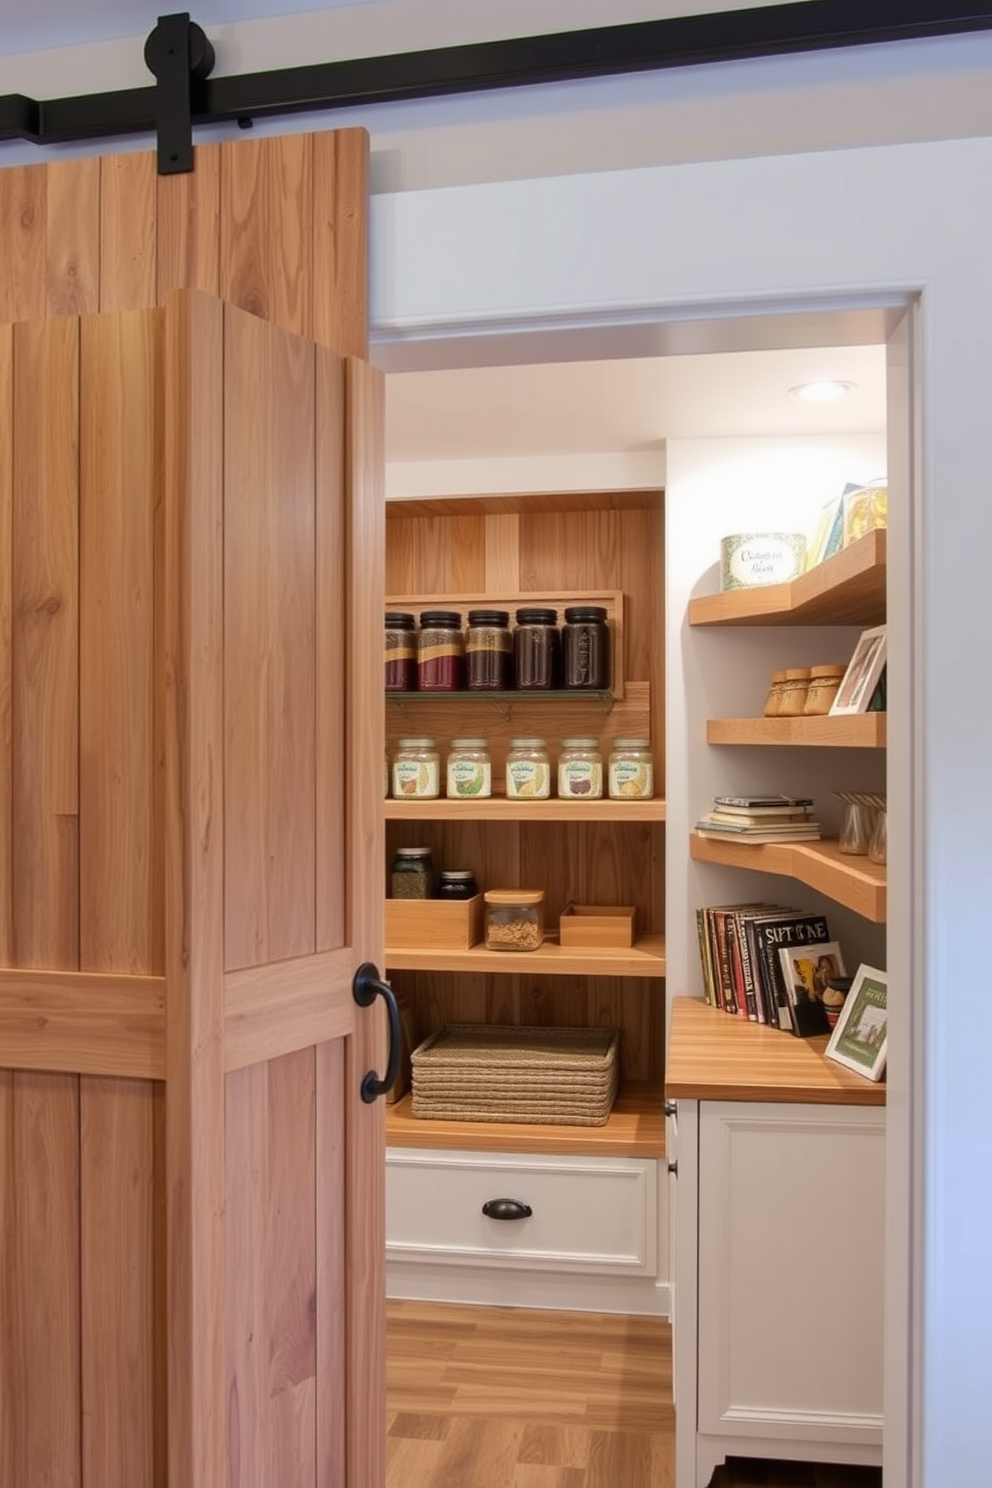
(824,391)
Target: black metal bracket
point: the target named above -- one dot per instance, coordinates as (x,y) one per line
(185,95)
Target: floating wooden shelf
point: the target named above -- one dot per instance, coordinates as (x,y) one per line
(848,589)
(498,808)
(645,958)
(851,881)
(846,731)
(636,1128)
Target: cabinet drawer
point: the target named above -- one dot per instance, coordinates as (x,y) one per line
(588,1214)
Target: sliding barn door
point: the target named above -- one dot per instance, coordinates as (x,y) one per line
(274,1163)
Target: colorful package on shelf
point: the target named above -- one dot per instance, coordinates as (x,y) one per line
(865,510)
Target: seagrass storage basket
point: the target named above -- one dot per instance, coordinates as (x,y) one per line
(546,1076)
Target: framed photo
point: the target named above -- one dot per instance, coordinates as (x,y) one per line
(863,672)
(858,1040)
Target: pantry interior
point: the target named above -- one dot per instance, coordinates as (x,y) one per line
(612,479)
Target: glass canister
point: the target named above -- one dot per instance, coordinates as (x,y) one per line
(585,646)
(824,683)
(412,873)
(400,652)
(470,771)
(488,651)
(440,651)
(457,883)
(416,769)
(580,770)
(514,919)
(774,698)
(528,770)
(794,689)
(537,650)
(631,770)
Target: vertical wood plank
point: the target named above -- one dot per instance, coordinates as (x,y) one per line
(266,229)
(72,268)
(188,215)
(330,886)
(331,1274)
(120,471)
(9,1284)
(194,577)
(246,1395)
(503,554)
(22,242)
(127,231)
(340,241)
(45,644)
(269,643)
(6,651)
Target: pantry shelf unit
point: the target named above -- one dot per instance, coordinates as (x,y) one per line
(847,589)
(846,731)
(500,809)
(645,958)
(635,1128)
(851,881)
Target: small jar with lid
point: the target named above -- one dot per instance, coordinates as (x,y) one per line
(585,645)
(514,919)
(412,874)
(457,884)
(775,689)
(440,652)
(580,770)
(528,770)
(470,771)
(400,652)
(488,651)
(536,650)
(794,689)
(631,770)
(416,770)
(824,684)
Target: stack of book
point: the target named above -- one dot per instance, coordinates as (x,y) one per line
(760,819)
(770,964)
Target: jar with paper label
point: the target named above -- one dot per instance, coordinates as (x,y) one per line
(631,770)
(580,770)
(470,771)
(440,651)
(528,770)
(416,770)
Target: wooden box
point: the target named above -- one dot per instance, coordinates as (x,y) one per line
(597,925)
(441,924)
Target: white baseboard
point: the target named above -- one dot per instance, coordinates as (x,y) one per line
(492,1287)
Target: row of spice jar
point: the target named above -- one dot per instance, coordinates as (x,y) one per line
(803,691)
(629,772)
(536,656)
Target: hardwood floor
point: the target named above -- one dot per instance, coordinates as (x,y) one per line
(491,1397)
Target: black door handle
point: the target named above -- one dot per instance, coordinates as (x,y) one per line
(366,987)
(506,1209)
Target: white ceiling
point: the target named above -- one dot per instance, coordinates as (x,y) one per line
(626,406)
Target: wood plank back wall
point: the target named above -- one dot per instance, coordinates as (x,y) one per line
(278,227)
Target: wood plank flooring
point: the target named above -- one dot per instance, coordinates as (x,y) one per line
(492,1397)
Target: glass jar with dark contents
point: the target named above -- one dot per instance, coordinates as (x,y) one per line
(440,651)
(585,641)
(537,650)
(457,883)
(400,652)
(488,651)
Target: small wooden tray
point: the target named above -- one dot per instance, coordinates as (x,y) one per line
(442,924)
(597,925)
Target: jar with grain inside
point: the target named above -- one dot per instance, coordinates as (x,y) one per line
(412,874)
(416,770)
(470,771)
(580,770)
(794,689)
(488,651)
(514,919)
(528,770)
(400,652)
(585,642)
(824,684)
(537,650)
(440,652)
(631,770)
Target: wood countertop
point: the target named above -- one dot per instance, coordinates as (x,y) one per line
(714,1056)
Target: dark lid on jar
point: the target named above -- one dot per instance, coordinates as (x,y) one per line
(488,617)
(447,619)
(400,619)
(577,614)
(537,617)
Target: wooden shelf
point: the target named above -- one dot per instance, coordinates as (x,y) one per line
(715,1056)
(851,881)
(848,589)
(498,808)
(850,731)
(645,958)
(636,1128)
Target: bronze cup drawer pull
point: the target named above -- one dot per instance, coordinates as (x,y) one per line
(506,1209)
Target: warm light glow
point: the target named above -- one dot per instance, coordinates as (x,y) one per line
(825,391)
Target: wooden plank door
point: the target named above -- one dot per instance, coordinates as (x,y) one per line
(274,872)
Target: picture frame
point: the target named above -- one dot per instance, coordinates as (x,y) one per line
(859,1039)
(863,671)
